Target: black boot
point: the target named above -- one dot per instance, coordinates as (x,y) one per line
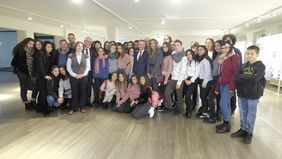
(210,120)
(225,128)
(239,134)
(176,110)
(28,106)
(248,138)
(187,114)
(33,104)
(218,116)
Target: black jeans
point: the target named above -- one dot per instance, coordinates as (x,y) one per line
(97,84)
(125,107)
(190,89)
(78,89)
(204,92)
(23,86)
(212,97)
(89,88)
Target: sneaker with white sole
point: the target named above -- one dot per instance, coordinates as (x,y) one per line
(151,112)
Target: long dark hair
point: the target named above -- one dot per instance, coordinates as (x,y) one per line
(122,53)
(42,44)
(192,53)
(66,76)
(18,49)
(169,49)
(52,53)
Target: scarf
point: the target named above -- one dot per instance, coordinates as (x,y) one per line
(97,64)
(63,52)
(29,59)
(177,56)
(112,56)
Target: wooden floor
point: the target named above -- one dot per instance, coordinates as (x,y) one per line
(102,134)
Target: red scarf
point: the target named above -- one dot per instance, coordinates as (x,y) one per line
(97,63)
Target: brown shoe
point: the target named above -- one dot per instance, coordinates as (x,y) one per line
(82,111)
(71,112)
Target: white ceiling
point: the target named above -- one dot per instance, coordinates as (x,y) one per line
(190,17)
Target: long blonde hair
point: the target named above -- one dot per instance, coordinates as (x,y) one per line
(122,86)
(151,50)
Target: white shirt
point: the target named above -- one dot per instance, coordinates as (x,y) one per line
(139,54)
(179,70)
(78,57)
(87,51)
(210,54)
(193,70)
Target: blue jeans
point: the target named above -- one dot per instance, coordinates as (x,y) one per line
(52,101)
(248,111)
(225,101)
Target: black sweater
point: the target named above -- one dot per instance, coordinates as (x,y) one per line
(45,63)
(250,81)
(145,93)
(53,87)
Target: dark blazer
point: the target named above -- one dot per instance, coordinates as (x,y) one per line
(93,55)
(140,66)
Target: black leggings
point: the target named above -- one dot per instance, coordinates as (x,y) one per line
(190,89)
(23,86)
(204,92)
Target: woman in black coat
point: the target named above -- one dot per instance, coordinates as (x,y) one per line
(46,61)
(25,62)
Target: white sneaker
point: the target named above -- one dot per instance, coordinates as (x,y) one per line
(151,112)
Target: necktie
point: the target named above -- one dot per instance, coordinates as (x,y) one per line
(140,54)
(87,53)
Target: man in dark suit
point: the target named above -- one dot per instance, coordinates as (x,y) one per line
(140,59)
(90,52)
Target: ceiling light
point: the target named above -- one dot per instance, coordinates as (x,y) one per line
(247,24)
(29,18)
(163,22)
(62,25)
(77,1)
(130,27)
(136,1)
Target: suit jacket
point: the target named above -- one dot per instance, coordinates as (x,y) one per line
(92,55)
(140,66)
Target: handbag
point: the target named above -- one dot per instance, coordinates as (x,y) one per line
(31,83)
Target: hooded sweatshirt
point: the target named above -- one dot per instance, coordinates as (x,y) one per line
(250,80)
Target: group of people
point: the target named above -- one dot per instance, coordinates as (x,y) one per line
(143,77)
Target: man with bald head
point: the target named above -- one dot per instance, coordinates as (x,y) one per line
(90,52)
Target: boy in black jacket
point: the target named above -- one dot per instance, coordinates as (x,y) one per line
(250,83)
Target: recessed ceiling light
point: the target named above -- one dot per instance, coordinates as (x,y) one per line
(76,1)
(62,25)
(247,24)
(163,22)
(136,1)
(130,27)
(29,18)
